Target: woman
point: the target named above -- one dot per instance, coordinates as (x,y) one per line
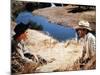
(19,40)
(21,56)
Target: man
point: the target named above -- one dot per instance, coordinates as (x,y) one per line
(86,39)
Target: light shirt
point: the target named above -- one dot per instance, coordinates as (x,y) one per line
(22,49)
(89,44)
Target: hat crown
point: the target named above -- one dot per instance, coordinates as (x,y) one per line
(84,23)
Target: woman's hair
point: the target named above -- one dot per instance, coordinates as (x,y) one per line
(19,29)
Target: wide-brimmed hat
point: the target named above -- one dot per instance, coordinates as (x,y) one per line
(83,24)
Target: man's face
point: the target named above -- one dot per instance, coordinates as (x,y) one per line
(81,32)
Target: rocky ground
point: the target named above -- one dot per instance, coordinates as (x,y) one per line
(58,56)
(67,15)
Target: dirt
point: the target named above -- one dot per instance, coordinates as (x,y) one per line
(66,16)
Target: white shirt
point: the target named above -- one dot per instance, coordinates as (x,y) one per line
(24,17)
(22,49)
(89,44)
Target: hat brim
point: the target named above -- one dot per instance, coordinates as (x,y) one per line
(83,28)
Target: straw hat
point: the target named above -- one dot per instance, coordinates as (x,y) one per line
(83,24)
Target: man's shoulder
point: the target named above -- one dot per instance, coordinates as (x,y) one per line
(90,35)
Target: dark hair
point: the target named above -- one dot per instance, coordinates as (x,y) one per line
(29,7)
(19,29)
